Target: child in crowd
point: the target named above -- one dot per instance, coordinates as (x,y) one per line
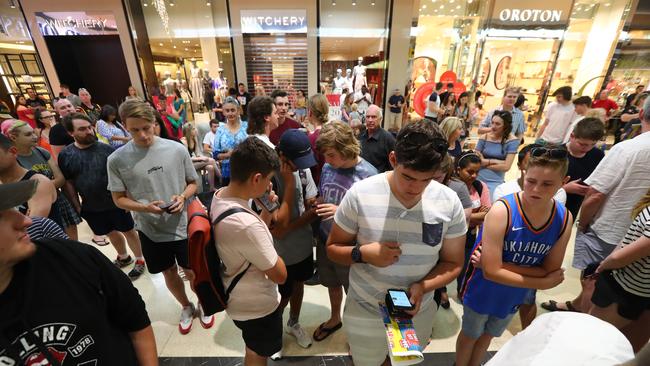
(521,246)
(467,166)
(354,114)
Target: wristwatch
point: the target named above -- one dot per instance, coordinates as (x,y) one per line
(356,255)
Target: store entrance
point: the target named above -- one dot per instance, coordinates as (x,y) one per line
(522,62)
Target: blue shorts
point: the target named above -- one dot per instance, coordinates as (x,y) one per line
(530,298)
(475,325)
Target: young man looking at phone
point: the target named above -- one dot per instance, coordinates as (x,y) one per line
(152,177)
(398,230)
(243,239)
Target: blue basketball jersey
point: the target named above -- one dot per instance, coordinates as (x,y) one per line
(523,245)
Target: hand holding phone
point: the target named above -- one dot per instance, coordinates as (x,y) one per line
(397,302)
(266,201)
(167,206)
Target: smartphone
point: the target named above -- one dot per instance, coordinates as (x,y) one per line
(589,273)
(167,205)
(265,201)
(397,301)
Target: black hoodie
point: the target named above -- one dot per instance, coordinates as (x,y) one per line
(69,305)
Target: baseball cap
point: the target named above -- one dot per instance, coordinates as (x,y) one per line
(15,194)
(295,145)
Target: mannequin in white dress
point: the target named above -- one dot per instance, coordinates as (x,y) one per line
(169,83)
(359,73)
(196,84)
(339,82)
(348,79)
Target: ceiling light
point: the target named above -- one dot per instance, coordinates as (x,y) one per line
(607,4)
(333,2)
(160,44)
(372,3)
(12,4)
(207,3)
(174,46)
(354,3)
(457,6)
(424,6)
(185,48)
(171,3)
(145,4)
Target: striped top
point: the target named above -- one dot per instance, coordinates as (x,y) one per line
(43,227)
(371,211)
(523,245)
(635,277)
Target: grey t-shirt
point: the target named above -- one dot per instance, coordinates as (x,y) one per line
(297,245)
(461,190)
(37,161)
(149,174)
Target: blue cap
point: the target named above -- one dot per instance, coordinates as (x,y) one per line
(295,145)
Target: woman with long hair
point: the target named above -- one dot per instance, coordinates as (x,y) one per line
(44,120)
(622,293)
(300,108)
(497,149)
(191,141)
(453,128)
(346,108)
(111,129)
(24,112)
(462,110)
(448,103)
(132,93)
(228,137)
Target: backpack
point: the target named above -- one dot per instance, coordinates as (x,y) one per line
(204,258)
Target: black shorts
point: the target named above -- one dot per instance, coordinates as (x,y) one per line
(104,222)
(299,272)
(608,291)
(163,255)
(263,335)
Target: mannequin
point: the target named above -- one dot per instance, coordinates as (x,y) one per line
(208,89)
(196,87)
(169,83)
(348,79)
(339,82)
(185,94)
(178,79)
(359,73)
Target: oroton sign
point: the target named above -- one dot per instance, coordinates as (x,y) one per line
(526,15)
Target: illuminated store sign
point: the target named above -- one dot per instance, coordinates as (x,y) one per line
(274,21)
(530,14)
(75,23)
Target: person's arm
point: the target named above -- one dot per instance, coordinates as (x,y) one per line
(41,202)
(500,165)
(144,345)
(284,211)
(628,117)
(59,179)
(632,252)
(278,273)
(124,202)
(594,201)
(495,225)
(71,193)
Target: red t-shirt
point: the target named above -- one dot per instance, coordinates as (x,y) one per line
(606,104)
(287,125)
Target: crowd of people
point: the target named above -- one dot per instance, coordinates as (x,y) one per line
(385,205)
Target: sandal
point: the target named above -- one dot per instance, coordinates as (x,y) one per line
(552,306)
(326,331)
(100,243)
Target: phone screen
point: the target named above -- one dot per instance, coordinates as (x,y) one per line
(266,201)
(400,299)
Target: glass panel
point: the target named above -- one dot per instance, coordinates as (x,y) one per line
(16,64)
(5,66)
(353,39)
(32,67)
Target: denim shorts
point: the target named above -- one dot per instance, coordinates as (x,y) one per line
(475,324)
(530,298)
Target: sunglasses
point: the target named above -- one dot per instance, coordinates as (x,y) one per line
(551,153)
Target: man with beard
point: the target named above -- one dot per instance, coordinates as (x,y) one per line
(281,100)
(83,164)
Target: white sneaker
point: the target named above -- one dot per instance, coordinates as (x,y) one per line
(187,316)
(303,339)
(207,321)
(276,356)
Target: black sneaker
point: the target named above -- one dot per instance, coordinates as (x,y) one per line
(121,263)
(137,271)
(314,280)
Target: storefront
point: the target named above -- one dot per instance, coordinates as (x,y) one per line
(536,45)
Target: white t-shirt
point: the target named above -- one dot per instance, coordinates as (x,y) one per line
(567,137)
(266,140)
(209,138)
(512,186)
(243,238)
(427,112)
(623,176)
(559,120)
(370,211)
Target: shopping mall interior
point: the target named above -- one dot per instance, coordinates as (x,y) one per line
(205,49)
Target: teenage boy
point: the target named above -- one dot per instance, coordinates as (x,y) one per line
(520,247)
(510,96)
(208,139)
(243,97)
(245,245)
(153,177)
(398,230)
(557,117)
(581,106)
(433,104)
(281,101)
(292,233)
(83,164)
(343,167)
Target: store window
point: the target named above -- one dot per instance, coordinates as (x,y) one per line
(20,67)
(353,38)
(188,49)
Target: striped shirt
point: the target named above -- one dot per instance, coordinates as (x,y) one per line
(635,277)
(43,227)
(371,211)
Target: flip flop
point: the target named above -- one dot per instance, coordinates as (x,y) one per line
(552,306)
(100,243)
(327,331)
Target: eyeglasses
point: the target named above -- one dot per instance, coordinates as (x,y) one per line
(47,117)
(551,153)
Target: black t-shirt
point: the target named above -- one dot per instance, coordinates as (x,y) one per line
(36,102)
(244,99)
(394,100)
(59,136)
(376,148)
(86,168)
(581,168)
(71,302)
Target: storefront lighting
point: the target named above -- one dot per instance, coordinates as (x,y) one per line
(12,4)
(424,6)
(171,3)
